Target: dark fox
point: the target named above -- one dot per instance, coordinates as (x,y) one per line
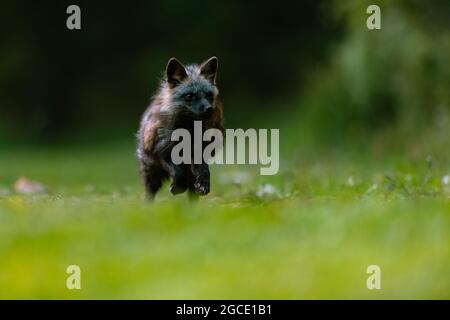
(186,94)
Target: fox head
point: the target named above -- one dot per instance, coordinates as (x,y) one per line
(193,88)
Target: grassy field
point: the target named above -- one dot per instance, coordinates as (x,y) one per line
(309,232)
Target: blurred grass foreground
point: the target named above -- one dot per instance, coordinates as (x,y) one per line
(311,234)
(364,119)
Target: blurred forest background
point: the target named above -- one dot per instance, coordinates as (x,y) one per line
(311,68)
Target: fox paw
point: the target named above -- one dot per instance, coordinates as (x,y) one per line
(201,188)
(177,189)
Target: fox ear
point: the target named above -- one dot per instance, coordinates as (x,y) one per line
(175,72)
(208,69)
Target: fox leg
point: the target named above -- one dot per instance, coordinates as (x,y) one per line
(192,195)
(201,179)
(179,183)
(153,177)
(178,175)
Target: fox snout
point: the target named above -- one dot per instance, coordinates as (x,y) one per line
(206,109)
(203,108)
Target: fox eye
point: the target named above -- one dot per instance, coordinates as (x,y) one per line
(189,97)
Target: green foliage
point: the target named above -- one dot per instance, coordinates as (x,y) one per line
(395,79)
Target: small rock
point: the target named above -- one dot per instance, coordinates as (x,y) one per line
(350,182)
(25,186)
(372,188)
(267,191)
(446,180)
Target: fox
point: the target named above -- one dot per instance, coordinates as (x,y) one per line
(186,94)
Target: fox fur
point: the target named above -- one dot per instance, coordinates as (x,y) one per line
(186,94)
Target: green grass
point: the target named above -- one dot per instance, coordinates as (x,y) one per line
(313,237)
